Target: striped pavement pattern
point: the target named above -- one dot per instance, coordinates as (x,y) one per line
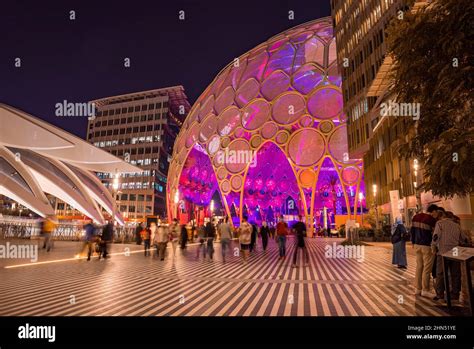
(135,285)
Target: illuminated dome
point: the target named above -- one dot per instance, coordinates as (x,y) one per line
(268,136)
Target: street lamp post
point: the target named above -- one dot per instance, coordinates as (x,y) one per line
(415,184)
(374,190)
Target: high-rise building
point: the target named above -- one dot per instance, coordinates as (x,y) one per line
(141,128)
(365,66)
(359,28)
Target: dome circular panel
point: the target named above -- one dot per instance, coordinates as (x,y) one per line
(213,145)
(306,147)
(255,66)
(282,137)
(312,51)
(277,83)
(221,173)
(247,92)
(255,114)
(281,59)
(228,120)
(193,115)
(307,78)
(307,178)
(236,182)
(225,99)
(219,158)
(225,142)
(192,135)
(326,126)
(338,144)
(255,141)
(350,175)
(325,103)
(225,186)
(269,130)
(207,107)
(306,121)
(238,156)
(208,128)
(277,44)
(288,108)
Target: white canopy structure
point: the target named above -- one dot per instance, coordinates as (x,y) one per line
(38,158)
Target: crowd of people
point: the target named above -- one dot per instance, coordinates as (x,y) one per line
(157,236)
(432,234)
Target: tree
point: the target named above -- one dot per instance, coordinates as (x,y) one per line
(433,53)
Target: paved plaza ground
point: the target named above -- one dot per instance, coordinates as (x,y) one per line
(133,285)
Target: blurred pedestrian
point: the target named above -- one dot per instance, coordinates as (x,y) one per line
(106,238)
(145,237)
(89,238)
(399,237)
(184,236)
(282,233)
(226,237)
(210,236)
(300,231)
(245,238)
(175,232)
(201,235)
(253,237)
(154,239)
(138,231)
(264,233)
(48,227)
(162,240)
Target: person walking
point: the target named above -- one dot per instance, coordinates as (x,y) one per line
(154,239)
(264,233)
(175,231)
(48,230)
(145,237)
(162,240)
(89,238)
(184,236)
(138,231)
(107,237)
(226,237)
(245,238)
(281,234)
(201,235)
(253,237)
(421,237)
(300,230)
(399,237)
(210,236)
(447,235)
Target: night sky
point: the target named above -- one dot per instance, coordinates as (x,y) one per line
(82,60)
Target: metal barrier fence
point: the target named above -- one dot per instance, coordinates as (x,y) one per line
(29,229)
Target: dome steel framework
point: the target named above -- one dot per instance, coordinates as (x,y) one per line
(269,134)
